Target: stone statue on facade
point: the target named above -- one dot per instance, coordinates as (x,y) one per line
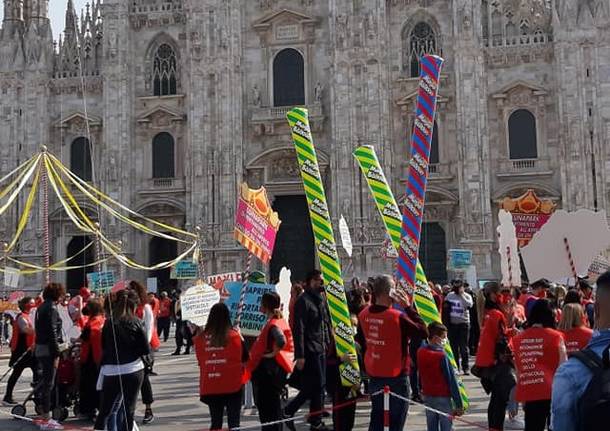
(256,96)
(318,92)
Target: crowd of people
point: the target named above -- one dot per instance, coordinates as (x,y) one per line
(533,347)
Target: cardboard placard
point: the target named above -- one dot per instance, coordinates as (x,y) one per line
(101,282)
(11,277)
(252,320)
(184,270)
(197,302)
(151,285)
(217,280)
(599,265)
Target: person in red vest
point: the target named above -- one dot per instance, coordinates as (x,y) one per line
(222,355)
(538,352)
(575,333)
(384,334)
(91,357)
(22,341)
(271,360)
(493,364)
(439,384)
(164,317)
(145,312)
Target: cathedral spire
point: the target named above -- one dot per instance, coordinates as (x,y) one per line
(70,27)
(13,10)
(36,10)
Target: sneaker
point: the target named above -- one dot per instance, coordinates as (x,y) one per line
(9,402)
(514,424)
(152,373)
(148,417)
(176,352)
(466,372)
(187,352)
(290,423)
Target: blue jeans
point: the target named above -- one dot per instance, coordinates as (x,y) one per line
(398,408)
(435,421)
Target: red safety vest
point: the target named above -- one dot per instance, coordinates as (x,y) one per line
(165,307)
(577,338)
(536,353)
(28,339)
(94,344)
(220,368)
(384,356)
(285,357)
(494,326)
(433,382)
(155,343)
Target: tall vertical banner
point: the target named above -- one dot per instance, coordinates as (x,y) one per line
(325,242)
(390,214)
(418,170)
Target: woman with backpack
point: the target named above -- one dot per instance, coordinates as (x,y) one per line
(538,352)
(222,355)
(493,364)
(271,360)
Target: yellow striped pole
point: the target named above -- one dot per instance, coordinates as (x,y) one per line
(390,214)
(325,242)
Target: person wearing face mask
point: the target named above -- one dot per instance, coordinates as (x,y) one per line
(22,341)
(493,364)
(539,291)
(438,380)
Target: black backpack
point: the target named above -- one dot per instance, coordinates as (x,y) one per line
(594,405)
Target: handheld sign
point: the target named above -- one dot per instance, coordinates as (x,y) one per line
(197,302)
(11,277)
(346,238)
(101,282)
(252,320)
(184,270)
(459,259)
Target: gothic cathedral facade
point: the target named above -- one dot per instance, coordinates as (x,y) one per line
(167,105)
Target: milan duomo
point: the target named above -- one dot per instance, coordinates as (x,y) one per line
(168,105)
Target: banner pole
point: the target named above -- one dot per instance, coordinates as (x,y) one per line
(45,221)
(200,263)
(244,286)
(571,260)
(121,266)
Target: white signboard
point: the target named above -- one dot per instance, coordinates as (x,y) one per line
(346,238)
(151,284)
(283,288)
(585,232)
(507,247)
(11,277)
(196,303)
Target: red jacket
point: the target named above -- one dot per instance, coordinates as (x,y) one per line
(494,326)
(220,368)
(93,343)
(165,307)
(285,357)
(577,338)
(155,343)
(26,339)
(536,353)
(433,382)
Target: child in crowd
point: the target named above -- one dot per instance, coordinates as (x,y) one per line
(439,384)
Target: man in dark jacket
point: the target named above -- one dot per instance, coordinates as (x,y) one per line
(49,342)
(312,335)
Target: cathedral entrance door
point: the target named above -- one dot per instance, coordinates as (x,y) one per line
(162,250)
(433,252)
(77,278)
(294,245)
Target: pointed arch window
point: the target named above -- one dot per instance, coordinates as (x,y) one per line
(434,150)
(164,71)
(288,78)
(163,156)
(522,142)
(80,158)
(419,41)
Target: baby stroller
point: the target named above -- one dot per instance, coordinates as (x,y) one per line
(65,393)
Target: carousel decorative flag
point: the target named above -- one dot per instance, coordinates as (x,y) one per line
(325,242)
(390,214)
(256,224)
(418,170)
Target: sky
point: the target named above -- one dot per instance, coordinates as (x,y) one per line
(57,13)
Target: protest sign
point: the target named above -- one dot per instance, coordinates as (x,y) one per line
(217,280)
(599,265)
(256,224)
(151,284)
(11,277)
(529,213)
(252,320)
(184,270)
(101,282)
(459,259)
(346,238)
(197,302)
